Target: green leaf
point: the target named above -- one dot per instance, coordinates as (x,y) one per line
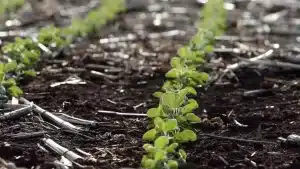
(9,82)
(154,112)
(160,155)
(185,136)
(30,73)
(172,164)
(188,90)
(2,75)
(149,164)
(176,62)
(150,135)
(149,148)
(167,85)
(182,154)
(15,91)
(181,119)
(1,67)
(10,66)
(200,77)
(159,124)
(161,142)
(190,106)
(208,48)
(171,148)
(172,99)
(192,118)
(174,73)
(171,124)
(184,52)
(157,94)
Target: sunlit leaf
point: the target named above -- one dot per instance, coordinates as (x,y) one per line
(171,148)
(159,124)
(171,124)
(172,164)
(150,135)
(161,142)
(192,118)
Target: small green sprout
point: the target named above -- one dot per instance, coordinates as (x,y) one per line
(171,120)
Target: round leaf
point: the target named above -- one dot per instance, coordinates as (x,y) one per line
(185,136)
(190,135)
(150,135)
(171,148)
(160,155)
(149,164)
(10,66)
(15,91)
(30,73)
(171,124)
(192,104)
(157,94)
(161,142)
(192,118)
(172,164)
(175,62)
(173,73)
(159,124)
(153,112)
(149,148)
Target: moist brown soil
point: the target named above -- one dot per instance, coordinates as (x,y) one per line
(138,68)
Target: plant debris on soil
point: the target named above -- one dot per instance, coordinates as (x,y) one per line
(108,79)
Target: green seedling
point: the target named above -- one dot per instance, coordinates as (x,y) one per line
(24,53)
(10,5)
(171,120)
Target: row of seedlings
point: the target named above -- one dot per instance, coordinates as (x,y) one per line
(171,120)
(21,56)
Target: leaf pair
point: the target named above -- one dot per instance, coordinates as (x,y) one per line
(161,126)
(158,154)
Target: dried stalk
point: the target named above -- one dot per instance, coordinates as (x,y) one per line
(235,66)
(122,114)
(70,155)
(274,63)
(52,117)
(76,120)
(16,113)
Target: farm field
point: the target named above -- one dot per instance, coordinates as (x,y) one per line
(78,79)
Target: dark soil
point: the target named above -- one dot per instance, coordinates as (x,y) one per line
(135,69)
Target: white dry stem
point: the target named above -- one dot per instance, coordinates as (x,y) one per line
(89,156)
(121,114)
(100,74)
(16,113)
(235,66)
(76,120)
(271,63)
(72,80)
(70,155)
(41,46)
(52,117)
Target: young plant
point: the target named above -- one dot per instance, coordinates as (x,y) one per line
(10,5)
(24,53)
(52,37)
(171,119)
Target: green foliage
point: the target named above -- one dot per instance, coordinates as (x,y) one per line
(24,53)
(95,19)
(52,37)
(10,5)
(171,119)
